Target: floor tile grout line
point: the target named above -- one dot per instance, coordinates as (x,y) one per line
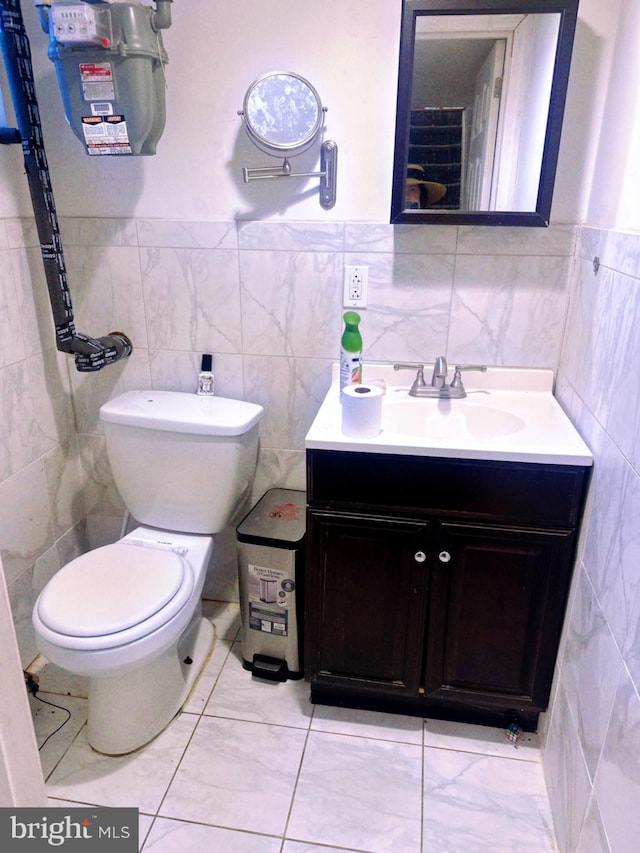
(314,723)
(143,841)
(295,786)
(199,715)
(369,736)
(195,728)
(58,762)
(190,822)
(286,836)
(253,722)
(497,755)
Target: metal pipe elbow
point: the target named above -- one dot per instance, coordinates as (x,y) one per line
(161,18)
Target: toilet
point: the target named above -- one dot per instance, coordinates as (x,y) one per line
(128,615)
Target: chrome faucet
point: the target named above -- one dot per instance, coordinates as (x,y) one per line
(439,387)
(440,370)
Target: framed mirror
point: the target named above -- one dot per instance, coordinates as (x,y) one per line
(481,93)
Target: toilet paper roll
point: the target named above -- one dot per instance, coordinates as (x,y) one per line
(361,410)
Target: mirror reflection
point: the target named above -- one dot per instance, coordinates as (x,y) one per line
(479,108)
(282,113)
(480,102)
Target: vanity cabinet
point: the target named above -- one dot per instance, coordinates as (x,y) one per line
(437,587)
(370,617)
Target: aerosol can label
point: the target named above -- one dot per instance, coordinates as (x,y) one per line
(269,600)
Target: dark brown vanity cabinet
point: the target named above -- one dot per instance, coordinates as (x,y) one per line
(370,592)
(437,586)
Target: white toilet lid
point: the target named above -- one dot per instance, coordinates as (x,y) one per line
(110,589)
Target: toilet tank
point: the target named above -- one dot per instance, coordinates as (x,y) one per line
(181,462)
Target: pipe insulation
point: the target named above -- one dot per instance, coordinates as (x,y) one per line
(90,354)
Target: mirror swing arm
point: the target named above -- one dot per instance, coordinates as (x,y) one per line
(283,116)
(327,173)
(538,214)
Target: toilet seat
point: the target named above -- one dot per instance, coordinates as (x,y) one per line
(113,595)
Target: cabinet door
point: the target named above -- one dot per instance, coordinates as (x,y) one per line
(495,614)
(366,581)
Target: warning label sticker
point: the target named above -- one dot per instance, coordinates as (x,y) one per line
(106,134)
(269,600)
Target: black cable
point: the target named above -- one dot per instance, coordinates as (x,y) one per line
(31,683)
(63,723)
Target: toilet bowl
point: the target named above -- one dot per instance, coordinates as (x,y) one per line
(128,615)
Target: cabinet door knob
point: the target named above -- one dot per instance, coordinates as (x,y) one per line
(444,556)
(420,556)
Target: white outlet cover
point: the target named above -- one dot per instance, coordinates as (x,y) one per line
(351,272)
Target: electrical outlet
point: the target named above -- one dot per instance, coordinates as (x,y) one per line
(356,280)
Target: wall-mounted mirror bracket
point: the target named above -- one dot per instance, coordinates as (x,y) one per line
(327,174)
(283,116)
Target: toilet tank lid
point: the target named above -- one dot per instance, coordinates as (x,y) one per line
(177,411)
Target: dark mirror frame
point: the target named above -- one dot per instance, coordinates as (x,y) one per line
(411,9)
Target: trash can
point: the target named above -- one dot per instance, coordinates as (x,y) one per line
(271,576)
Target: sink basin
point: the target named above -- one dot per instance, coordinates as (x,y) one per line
(509,414)
(449,419)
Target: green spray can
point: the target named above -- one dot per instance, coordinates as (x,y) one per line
(351,351)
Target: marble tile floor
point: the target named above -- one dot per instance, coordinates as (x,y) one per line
(253,767)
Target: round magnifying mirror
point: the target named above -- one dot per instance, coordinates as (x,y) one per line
(282,113)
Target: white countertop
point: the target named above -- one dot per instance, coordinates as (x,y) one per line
(509,414)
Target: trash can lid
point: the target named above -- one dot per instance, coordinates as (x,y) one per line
(279,518)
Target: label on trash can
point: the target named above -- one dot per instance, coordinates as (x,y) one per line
(269,600)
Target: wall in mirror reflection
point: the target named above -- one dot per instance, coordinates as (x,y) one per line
(479,107)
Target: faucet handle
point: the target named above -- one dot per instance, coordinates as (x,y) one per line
(408,365)
(418,382)
(457,378)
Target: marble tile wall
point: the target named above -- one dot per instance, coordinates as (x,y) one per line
(42,500)
(266,299)
(593,738)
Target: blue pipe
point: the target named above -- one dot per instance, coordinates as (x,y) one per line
(90,354)
(9,135)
